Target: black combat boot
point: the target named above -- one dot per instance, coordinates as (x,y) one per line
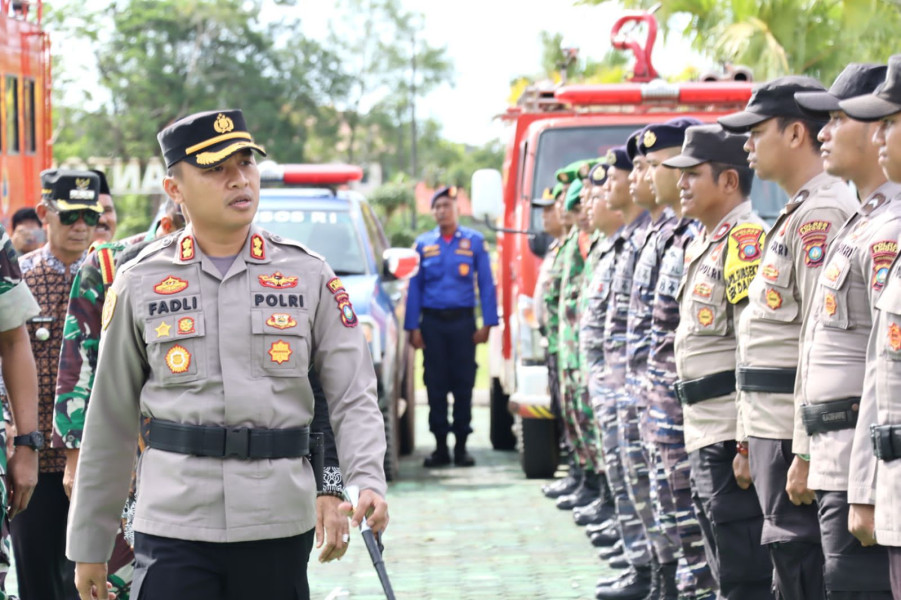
(462,458)
(611,551)
(618,562)
(441,456)
(584,494)
(634,586)
(566,485)
(590,530)
(668,589)
(654,592)
(600,510)
(605,538)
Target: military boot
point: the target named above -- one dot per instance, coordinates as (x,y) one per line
(611,551)
(441,456)
(600,510)
(462,458)
(633,586)
(592,529)
(605,538)
(618,562)
(654,592)
(566,485)
(584,494)
(668,589)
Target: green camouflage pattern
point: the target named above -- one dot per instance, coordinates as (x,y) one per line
(552,300)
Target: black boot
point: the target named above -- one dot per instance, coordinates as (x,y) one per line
(668,589)
(462,458)
(634,586)
(618,562)
(566,485)
(584,494)
(654,592)
(592,529)
(599,511)
(611,551)
(441,456)
(605,538)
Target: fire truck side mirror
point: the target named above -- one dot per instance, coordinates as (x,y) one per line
(487,194)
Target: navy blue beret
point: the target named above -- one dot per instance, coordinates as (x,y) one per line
(618,157)
(449,191)
(670,134)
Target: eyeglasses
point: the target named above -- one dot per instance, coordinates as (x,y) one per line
(70,217)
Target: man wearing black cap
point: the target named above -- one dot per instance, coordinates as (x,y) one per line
(619,429)
(714,185)
(70,211)
(874,484)
(441,320)
(844,301)
(208,339)
(783,147)
(106,228)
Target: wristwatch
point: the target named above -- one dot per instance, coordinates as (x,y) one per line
(34,440)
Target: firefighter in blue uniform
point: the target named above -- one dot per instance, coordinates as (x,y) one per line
(441,320)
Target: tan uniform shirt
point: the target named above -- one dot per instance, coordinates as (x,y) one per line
(833,361)
(713,293)
(781,295)
(184,343)
(872,481)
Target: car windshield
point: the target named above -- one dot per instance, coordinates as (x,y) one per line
(331,233)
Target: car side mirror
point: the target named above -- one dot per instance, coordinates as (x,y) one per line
(487,194)
(400,263)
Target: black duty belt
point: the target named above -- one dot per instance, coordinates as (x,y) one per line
(772,381)
(886,441)
(448,314)
(229,442)
(830,416)
(690,391)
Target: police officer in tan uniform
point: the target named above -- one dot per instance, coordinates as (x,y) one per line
(714,185)
(783,147)
(874,485)
(208,336)
(837,332)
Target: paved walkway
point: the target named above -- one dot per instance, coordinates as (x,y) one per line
(484,532)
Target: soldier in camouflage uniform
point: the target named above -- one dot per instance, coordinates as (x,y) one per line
(719,265)
(621,438)
(18,473)
(663,430)
(574,252)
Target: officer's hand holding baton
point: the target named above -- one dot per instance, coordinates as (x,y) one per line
(372,541)
(370,509)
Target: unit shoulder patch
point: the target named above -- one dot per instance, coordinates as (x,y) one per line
(109,308)
(742,260)
(883,254)
(813,241)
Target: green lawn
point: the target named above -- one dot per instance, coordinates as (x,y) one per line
(482,382)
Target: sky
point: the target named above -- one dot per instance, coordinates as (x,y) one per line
(491,42)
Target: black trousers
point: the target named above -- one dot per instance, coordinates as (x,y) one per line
(894,561)
(39,542)
(449,361)
(791,533)
(853,572)
(167,568)
(731,522)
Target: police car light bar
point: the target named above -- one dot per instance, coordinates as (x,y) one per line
(310,174)
(720,92)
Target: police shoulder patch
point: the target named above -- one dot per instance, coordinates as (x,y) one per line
(883,253)
(742,260)
(109,308)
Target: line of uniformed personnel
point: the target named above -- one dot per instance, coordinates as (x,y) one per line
(728,388)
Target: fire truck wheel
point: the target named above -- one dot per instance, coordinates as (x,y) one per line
(540,448)
(501,426)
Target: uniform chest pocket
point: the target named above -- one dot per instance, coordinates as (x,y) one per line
(175,348)
(831,299)
(889,303)
(774,292)
(280,344)
(708,311)
(431,266)
(463,264)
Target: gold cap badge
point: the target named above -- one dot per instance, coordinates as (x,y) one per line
(650,138)
(223,124)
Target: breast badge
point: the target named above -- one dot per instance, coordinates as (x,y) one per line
(705,316)
(280,352)
(281,321)
(832,272)
(829,304)
(702,290)
(178,359)
(883,254)
(170,285)
(773,299)
(770,273)
(185,326)
(163,330)
(894,337)
(278,281)
(464,269)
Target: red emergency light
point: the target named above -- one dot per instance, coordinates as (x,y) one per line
(719,92)
(310,174)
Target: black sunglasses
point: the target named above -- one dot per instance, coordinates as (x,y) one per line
(70,217)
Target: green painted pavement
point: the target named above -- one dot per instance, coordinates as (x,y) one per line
(482,532)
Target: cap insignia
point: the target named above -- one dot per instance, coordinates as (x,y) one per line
(82,183)
(650,138)
(223,124)
(611,157)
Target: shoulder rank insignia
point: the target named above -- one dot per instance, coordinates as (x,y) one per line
(334,285)
(721,231)
(278,281)
(281,321)
(813,241)
(742,260)
(280,352)
(186,249)
(170,285)
(109,308)
(107,265)
(883,254)
(178,359)
(257,247)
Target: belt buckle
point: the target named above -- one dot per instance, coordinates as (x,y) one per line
(679,388)
(237,442)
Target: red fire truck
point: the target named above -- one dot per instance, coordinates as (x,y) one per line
(550,127)
(25,147)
